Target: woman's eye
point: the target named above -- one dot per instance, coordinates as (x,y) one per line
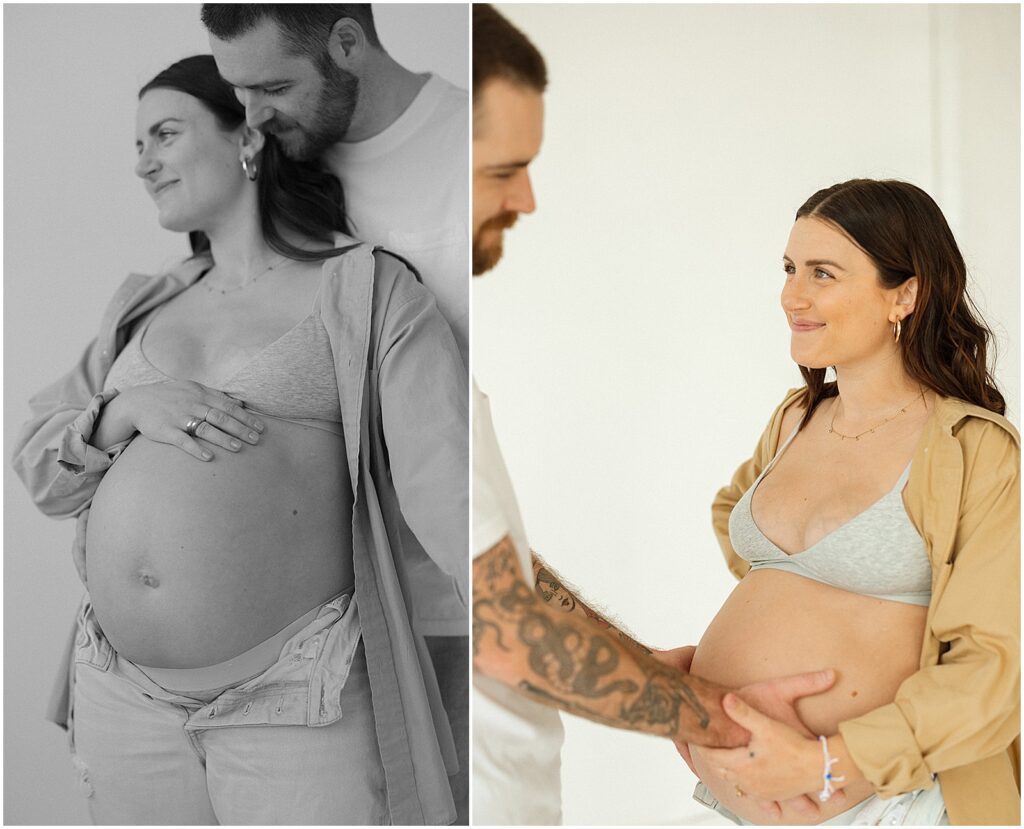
(165,134)
(788,268)
(820,274)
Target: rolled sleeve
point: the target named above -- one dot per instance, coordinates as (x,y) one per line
(52,456)
(76,455)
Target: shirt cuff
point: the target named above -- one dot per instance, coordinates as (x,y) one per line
(882,745)
(76,454)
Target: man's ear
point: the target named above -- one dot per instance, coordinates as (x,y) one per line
(347,43)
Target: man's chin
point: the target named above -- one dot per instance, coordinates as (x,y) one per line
(293,144)
(485,258)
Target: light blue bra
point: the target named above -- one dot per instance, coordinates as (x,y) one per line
(876,553)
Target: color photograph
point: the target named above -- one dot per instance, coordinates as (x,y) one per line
(746,394)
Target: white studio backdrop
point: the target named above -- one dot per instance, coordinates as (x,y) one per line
(631,340)
(76,222)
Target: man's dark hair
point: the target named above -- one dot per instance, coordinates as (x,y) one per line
(500,50)
(305,26)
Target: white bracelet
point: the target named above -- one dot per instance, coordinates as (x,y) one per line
(826,775)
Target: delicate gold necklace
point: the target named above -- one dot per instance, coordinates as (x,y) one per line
(215,290)
(831,426)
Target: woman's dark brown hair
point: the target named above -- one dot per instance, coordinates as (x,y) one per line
(292,195)
(944,343)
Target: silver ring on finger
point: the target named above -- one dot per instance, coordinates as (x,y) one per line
(193,424)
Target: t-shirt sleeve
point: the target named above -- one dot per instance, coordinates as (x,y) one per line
(489,522)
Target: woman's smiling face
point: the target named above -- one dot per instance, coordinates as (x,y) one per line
(839,312)
(189,163)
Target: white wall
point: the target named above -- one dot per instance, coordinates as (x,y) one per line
(631,342)
(76,221)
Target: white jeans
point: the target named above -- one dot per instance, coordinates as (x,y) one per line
(294,745)
(921,807)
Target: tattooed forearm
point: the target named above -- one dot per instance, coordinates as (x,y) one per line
(565,660)
(559,595)
(661,701)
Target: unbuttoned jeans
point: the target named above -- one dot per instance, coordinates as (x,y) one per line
(294,745)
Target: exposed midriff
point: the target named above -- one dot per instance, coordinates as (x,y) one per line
(190,563)
(775,624)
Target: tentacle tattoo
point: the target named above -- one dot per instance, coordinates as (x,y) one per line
(570,664)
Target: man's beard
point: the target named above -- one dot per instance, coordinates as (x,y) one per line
(335,106)
(486,257)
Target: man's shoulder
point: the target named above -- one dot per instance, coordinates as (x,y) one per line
(450,102)
(448,94)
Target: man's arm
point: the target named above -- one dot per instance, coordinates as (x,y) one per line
(567,661)
(558,595)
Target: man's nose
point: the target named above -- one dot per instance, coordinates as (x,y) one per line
(257,112)
(520,199)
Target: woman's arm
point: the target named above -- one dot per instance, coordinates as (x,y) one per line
(967,706)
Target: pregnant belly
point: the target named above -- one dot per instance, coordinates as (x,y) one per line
(192,563)
(775,624)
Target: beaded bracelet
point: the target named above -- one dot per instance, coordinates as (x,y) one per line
(826,775)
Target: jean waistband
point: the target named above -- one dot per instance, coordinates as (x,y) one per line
(302,687)
(246,665)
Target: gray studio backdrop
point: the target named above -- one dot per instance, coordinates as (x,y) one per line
(632,343)
(76,221)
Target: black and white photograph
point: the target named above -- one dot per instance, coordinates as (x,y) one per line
(236,414)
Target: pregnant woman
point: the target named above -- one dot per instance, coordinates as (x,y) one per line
(239,436)
(875,530)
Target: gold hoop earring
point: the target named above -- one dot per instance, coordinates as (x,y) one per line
(897,329)
(250,168)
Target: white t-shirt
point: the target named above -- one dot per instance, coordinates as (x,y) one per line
(517,743)
(406,189)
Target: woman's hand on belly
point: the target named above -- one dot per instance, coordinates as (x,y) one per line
(162,411)
(776,698)
(778,763)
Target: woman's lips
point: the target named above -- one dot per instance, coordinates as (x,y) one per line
(803,326)
(160,188)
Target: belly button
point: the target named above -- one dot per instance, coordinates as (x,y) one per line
(148,580)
